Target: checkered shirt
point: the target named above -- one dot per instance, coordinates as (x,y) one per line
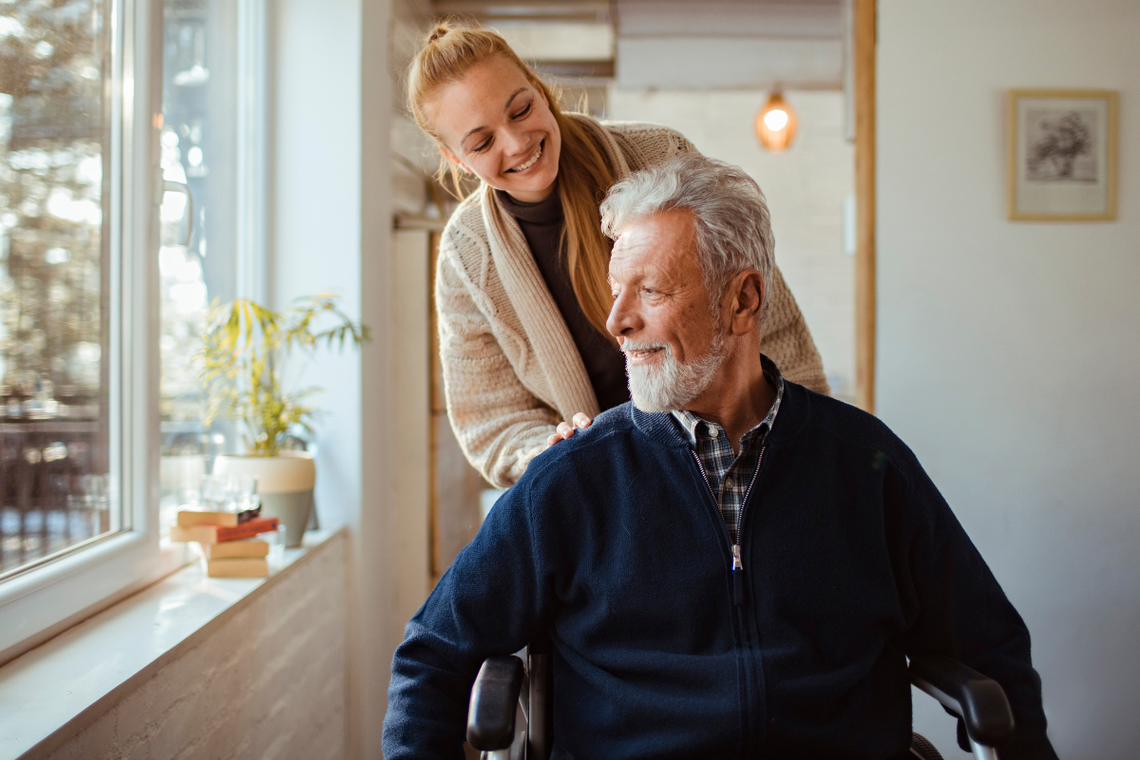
(729,474)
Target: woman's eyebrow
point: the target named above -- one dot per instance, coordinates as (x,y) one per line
(507,107)
(510,100)
(471,132)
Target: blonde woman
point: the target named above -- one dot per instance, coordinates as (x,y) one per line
(521,289)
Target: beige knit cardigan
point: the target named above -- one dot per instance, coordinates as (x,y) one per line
(511,370)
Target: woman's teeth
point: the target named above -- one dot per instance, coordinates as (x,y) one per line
(530,163)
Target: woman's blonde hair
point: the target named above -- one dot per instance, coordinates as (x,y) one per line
(584,175)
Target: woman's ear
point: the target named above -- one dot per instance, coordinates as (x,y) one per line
(453,161)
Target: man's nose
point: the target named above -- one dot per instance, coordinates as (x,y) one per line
(623,316)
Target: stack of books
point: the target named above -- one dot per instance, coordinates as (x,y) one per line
(228,541)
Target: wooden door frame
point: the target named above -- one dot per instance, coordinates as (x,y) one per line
(865,33)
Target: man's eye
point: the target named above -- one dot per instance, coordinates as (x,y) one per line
(481,146)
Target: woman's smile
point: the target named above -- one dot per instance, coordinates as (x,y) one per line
(530,162)
(496,123)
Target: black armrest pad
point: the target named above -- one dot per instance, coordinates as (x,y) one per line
(491,714)
(978,700)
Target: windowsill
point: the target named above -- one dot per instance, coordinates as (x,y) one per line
(54,691)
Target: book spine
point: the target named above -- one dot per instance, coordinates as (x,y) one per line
(237,568)
(203,534)
(246,530)
(236,549)
(188,519)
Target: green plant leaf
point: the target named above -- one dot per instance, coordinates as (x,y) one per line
(243,351)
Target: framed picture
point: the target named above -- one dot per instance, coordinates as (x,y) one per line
(1062,155)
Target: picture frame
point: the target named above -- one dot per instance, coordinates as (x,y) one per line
(1061,150)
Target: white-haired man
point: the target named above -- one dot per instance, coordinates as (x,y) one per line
(729,566)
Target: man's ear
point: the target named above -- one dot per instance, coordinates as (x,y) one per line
(747,297)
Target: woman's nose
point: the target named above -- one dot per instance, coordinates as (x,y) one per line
(515,142)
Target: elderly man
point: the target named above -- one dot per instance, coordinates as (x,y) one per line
(730,566)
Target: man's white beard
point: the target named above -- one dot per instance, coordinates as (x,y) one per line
(670,384)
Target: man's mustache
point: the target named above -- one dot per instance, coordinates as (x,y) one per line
(630,345)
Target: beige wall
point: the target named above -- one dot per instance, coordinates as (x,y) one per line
(1009,352)
(805,187)
(265,680)
(332,113)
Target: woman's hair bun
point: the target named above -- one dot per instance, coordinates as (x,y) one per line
(438,32)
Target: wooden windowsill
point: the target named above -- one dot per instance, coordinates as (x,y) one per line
(57,689)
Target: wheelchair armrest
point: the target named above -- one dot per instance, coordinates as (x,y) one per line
(491,714)
(979,701)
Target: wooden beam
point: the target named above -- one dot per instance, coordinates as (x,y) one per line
(865,307)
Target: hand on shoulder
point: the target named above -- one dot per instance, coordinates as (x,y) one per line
(566,429)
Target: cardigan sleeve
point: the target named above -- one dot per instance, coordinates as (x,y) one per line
(499,424)
(493,600)
(956,608)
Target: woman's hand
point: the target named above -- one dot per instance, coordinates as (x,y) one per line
(566,429)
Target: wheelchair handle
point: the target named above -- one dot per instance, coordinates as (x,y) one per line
(491,717)
(978,700)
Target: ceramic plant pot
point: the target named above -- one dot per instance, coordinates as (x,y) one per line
(284,483)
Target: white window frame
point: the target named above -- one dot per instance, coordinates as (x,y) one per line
(39,603)
(252,158)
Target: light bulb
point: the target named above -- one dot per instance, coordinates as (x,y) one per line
(776,119)
(776,124)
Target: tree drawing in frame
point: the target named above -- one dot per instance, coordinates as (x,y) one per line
(1062,146)
(1061,155)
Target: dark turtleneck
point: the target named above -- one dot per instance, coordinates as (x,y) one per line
(541,225)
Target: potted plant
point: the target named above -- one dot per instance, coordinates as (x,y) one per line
(242,360)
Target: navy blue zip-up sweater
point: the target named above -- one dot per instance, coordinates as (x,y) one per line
(612,542)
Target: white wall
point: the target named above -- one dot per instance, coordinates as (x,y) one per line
(316,220)
(1009,353)
(332,227)
(805,187)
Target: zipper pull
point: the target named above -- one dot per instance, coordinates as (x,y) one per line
(737,577)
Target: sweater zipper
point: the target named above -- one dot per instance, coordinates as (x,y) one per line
(737,563)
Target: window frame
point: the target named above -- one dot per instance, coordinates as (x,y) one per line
(92,575)
(38,603)
(252,157)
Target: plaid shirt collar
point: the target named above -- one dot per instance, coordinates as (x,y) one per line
(691,422)
(730,475)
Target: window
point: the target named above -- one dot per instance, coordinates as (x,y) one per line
(98,399)
(55,455)
(208,149)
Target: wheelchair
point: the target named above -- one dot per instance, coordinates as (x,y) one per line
(503,682)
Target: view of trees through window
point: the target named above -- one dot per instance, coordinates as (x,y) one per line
(56,485)
(199,143)
(54,268)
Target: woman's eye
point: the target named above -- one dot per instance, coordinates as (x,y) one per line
(524,112)
(481,146)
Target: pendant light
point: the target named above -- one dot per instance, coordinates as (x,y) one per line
(776,123)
